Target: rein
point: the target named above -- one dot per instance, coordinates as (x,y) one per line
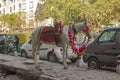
(74,30)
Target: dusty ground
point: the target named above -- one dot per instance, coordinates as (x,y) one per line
(56,72)
(74,73)
(10,77)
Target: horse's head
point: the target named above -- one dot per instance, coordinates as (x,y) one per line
(78,27)
(58,27)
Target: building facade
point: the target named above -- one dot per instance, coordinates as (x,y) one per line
(14,6)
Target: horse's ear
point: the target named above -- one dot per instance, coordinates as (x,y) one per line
(59,22)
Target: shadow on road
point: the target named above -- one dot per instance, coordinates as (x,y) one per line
(113,69)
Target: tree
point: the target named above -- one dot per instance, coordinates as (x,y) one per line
(20,19)
(63,10)
(98,12)
(104,12)
(13,21)
(4,19)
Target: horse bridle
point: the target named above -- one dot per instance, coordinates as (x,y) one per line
(74,30)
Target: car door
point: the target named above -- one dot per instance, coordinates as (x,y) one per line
(29,47)
(106,47)
(118,44)
(43,51)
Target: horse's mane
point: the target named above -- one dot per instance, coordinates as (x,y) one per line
(79,24)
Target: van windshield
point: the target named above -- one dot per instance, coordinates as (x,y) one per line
(107,36)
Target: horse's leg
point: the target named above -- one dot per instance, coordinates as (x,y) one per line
(65,56)
(78,61)
(35,46)
(35,55)
(64,44)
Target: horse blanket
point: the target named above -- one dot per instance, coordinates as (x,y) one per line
(47,34)
(51,34)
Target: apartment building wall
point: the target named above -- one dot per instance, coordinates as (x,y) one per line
(14,6)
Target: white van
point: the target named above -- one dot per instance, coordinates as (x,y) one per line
(48,52)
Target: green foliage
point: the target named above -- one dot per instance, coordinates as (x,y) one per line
(12,20)
(63,10)
(98,12)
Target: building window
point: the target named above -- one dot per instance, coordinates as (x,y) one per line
(31,14)
(31,4)
(0,12)
(14,7)
(10,9)
(19,6)
(3,11)
(31,23)
(4,2)
(0,5)
(11,0)
(24,6)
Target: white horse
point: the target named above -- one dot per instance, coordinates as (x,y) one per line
(36,43)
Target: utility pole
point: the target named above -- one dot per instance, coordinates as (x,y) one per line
(54,11)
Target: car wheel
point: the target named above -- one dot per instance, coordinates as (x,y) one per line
(93,63)
(23,53)
(52,57)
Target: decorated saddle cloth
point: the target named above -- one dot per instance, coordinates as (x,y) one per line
(47,34)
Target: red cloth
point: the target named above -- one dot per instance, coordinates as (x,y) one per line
(47,34)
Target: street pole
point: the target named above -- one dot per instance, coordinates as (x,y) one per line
(54,11)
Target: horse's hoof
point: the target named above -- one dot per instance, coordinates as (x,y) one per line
(65,67)
(40,69)
(37,67)
(78,65)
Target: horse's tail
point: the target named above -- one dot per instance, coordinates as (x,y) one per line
(35,39)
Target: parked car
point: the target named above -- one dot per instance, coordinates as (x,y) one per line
(47,52)
(104,49)
(2,43)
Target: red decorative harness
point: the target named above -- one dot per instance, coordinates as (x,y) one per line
(79,50)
